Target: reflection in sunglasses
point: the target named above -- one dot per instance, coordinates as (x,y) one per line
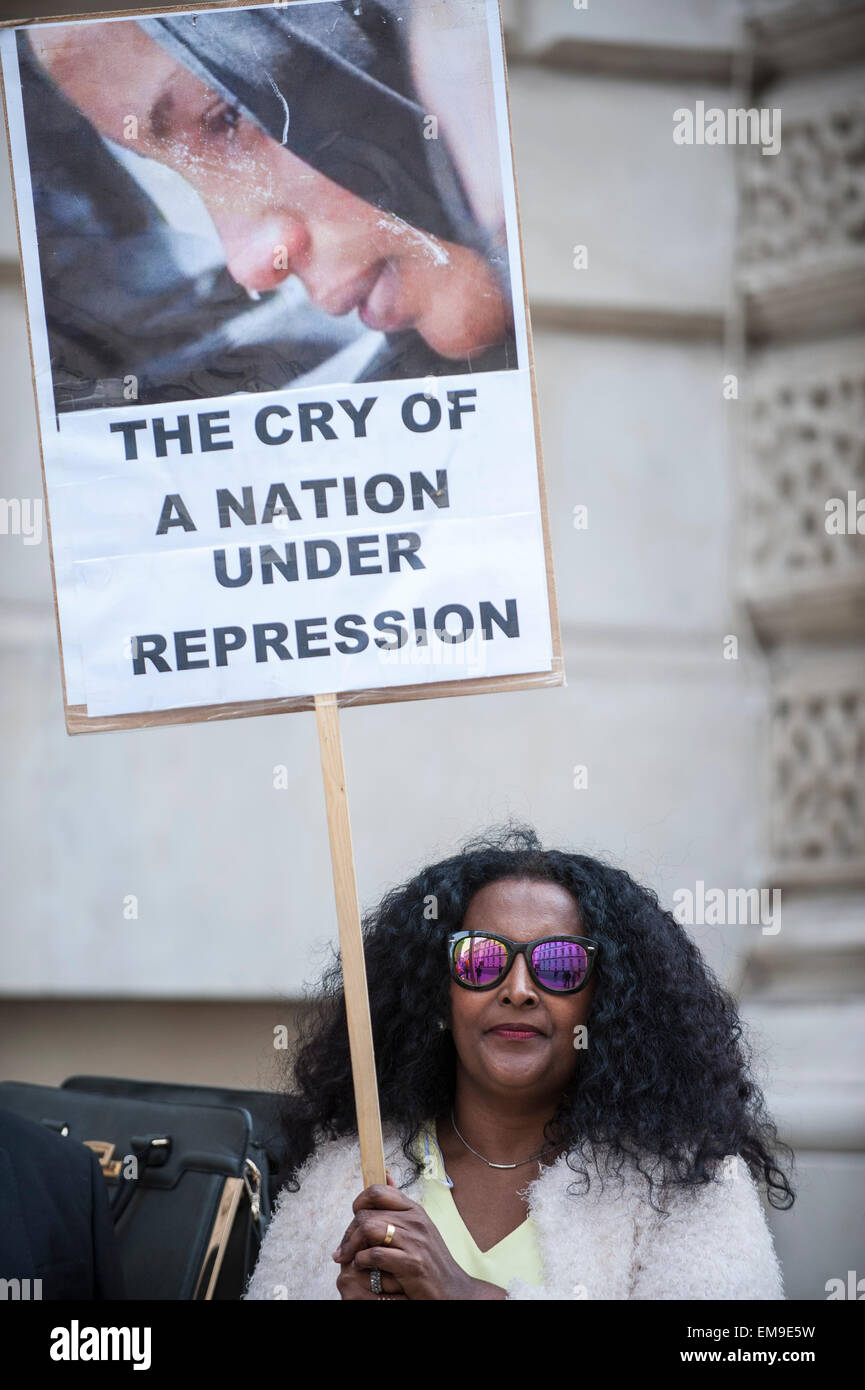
(559,964)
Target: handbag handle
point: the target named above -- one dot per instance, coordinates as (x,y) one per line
(149,1151)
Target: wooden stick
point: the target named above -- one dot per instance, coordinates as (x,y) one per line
(350,942)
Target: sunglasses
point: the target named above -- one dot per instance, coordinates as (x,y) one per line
(558,964)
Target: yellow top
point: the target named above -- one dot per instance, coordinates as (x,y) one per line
(515,1257)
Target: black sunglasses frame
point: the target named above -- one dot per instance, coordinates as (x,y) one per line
(521,948)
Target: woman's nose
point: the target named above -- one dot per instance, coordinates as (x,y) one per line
(518,985)
(261,251)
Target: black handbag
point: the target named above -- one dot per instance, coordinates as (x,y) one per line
(188,1171)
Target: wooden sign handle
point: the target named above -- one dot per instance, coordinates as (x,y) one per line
(350,941)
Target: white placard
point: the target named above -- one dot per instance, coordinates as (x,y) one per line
(323,535)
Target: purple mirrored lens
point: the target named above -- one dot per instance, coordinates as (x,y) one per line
(479,960)
(560,964)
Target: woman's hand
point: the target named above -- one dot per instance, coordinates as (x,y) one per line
(415,1265)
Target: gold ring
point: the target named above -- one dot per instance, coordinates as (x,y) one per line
(391,1232)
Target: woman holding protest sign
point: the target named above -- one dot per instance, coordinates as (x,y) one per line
(568,1109)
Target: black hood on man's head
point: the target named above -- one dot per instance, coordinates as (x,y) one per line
(332,83)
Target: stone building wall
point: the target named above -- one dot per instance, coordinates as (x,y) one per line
(800,286)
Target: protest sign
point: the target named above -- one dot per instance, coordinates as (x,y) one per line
(225,539)
(282,365)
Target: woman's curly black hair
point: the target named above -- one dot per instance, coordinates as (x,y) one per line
(664,1082)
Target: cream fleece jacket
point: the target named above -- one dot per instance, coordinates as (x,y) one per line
(715,1243)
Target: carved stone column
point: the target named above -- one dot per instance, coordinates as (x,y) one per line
(801,286)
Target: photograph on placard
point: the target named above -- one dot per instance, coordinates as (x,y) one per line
(250,199)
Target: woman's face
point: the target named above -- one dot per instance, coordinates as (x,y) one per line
(516,1037)
(275,215)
